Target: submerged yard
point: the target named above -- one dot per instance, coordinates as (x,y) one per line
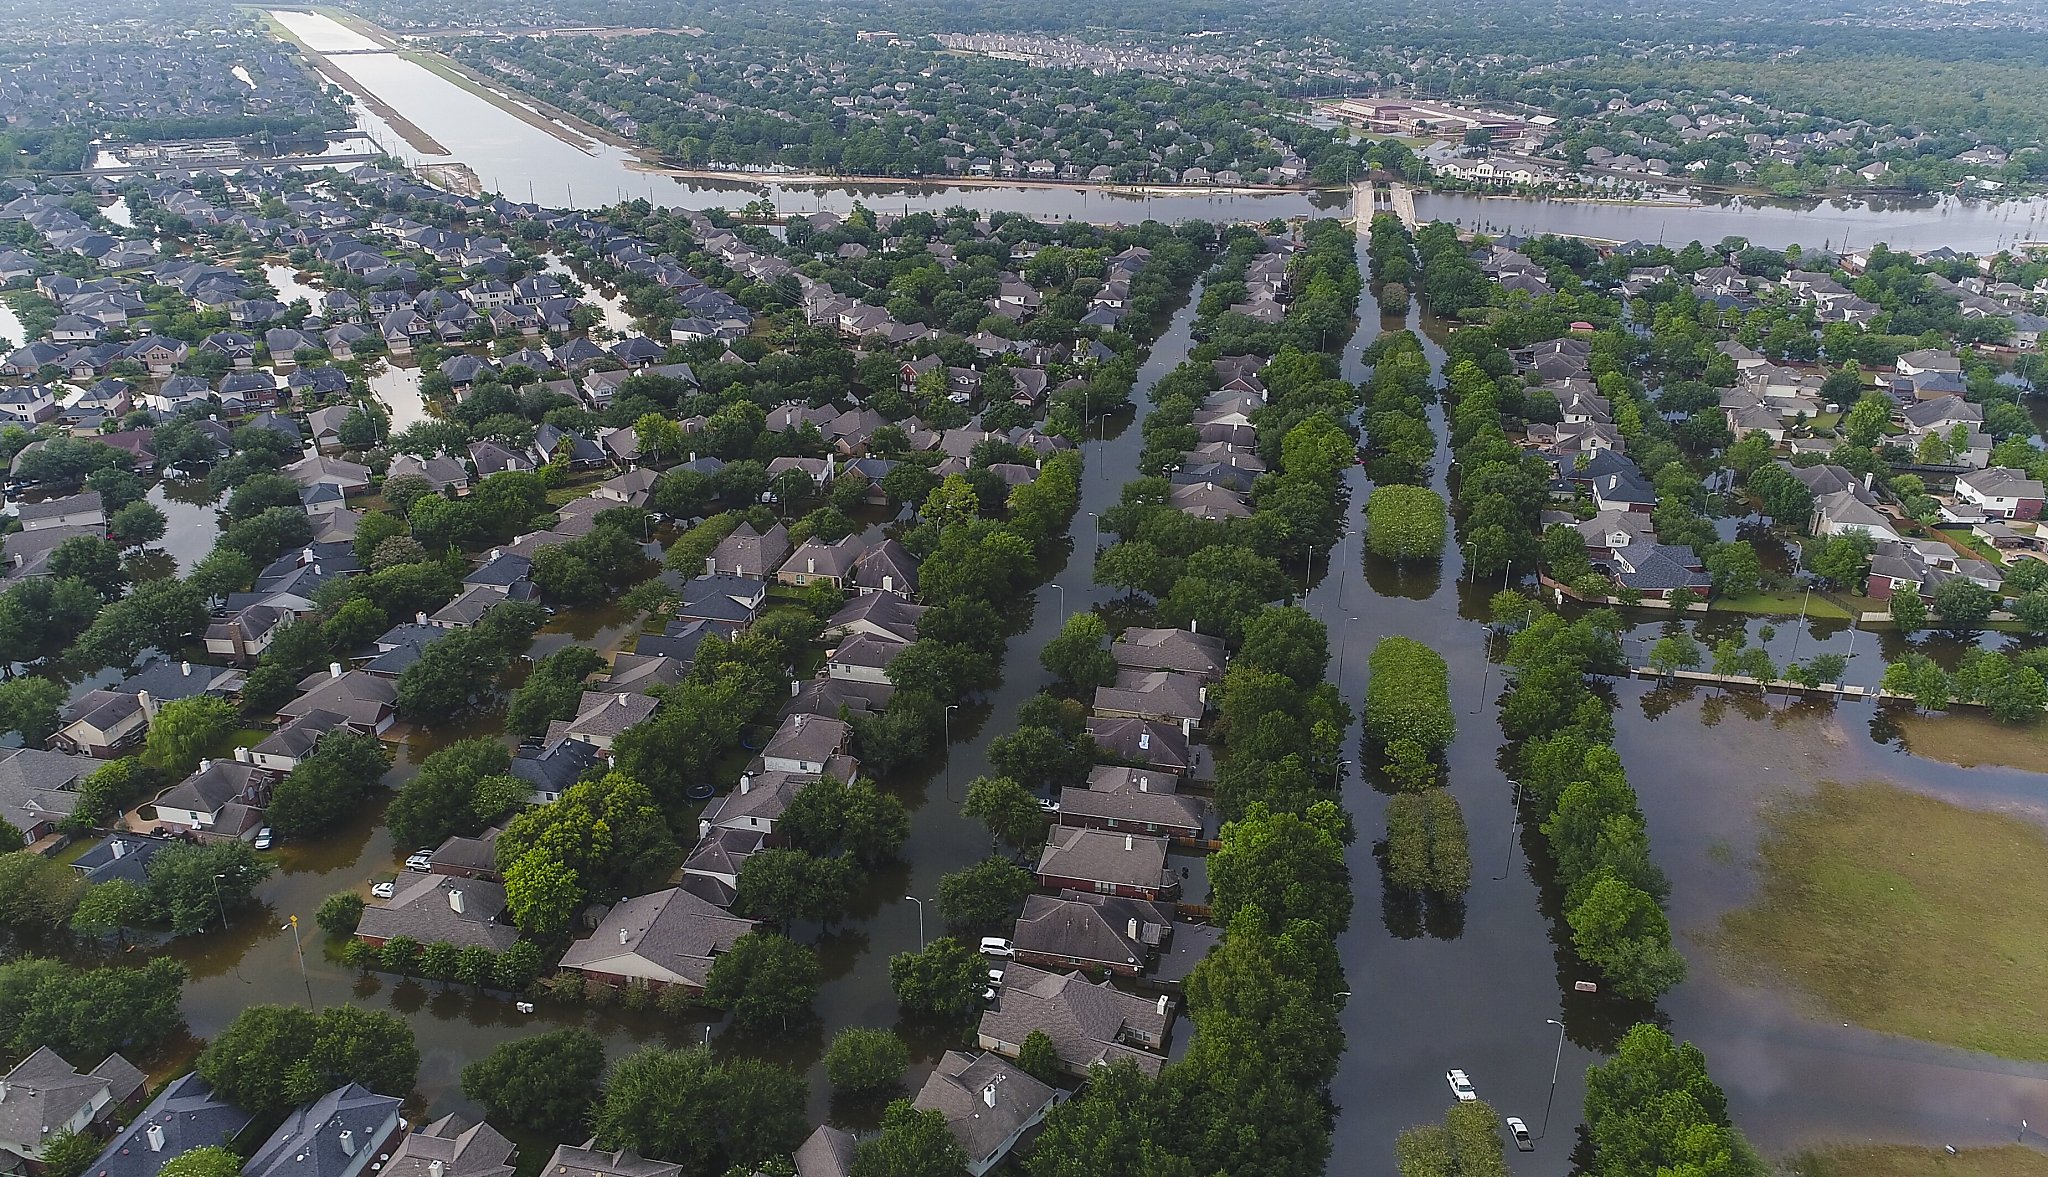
(1876,902)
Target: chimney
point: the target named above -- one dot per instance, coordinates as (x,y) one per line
(1131,929)
(1164,1002)
(1130,843)
(624,936)
(205,765)
(185,668)
(988,1095)
(810,564)
(1144,741)
(436,1168)
(703,827)
(1187,727)
(241,755)
(142,698)
(420,618)
(888,584)
(118,848)
(622,698)
(1144,784)
(348,1142)
(334,670)
(1194,626)
(155,1135)
(796,687)
(746,783)
(306,557)
(455,901)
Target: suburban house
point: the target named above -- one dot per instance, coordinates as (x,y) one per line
(1162,747)
(1154,694)
(109,721)
(988,1104)
(805,744)
(826,1152)
(79,510)
(1130,865)
(468,858)
(224,797)
(1091,1023)
(588,1160)
(434,908)
(44,1097)
(1843,512)
(336,1135)
(601,716)
(666,938)
(124,856)
(184,1116)
(367,703)
(38,789)
(1091,932)
(756,805)
(1181,650)
(819,562)
(2001,492)
(1136,800)
(452,1147)
(749,553)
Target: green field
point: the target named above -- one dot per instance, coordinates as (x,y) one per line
(1876,903)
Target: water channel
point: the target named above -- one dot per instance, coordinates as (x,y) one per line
(520,160)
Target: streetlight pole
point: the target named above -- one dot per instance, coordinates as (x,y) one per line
(217,902)
(1337,775)
(920,920)
(300,948)
(1343,648)
(1062,591)
(1513,826)
(1554,1062)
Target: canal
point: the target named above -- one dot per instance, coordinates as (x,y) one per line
(514,157)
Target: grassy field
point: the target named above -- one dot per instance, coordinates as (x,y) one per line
(1898,1160)
(1781,603)
(1877,903)
(1972,739)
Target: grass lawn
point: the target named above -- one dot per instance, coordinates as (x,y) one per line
(1899,1160)
(1874,904)
(1781,603)
(1970,738)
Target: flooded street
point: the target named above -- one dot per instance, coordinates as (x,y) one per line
(192,524)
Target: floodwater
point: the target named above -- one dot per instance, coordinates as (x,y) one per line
(192,523)
(285,280)
(398,390)
(523,162)
(11,329)
(617,319)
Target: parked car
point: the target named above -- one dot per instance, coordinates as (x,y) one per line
(995,976)
(419,860)
(989,993)
(1460,1086)
(997,946)
(1048,805)
(1520,1132)
(383,890)
(263,838)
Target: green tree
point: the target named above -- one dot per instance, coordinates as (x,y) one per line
(544,1082)
(329,786)
(542,892)
(984,897)
(1909,610)
(912,1143)
(190,886)
(28,704)
(1010,812)
(1620,930)
(863,1061)
(1286,866)
(1963,606)
(1405,523)
(439,801)
(706,1116)
(765,980)
(110,908)
(37,891)
(88,1011)
(1408,696)
(1038,1057)
(211,1161)
(274,1057)
(69,1153)
(943,982)
(1735,568)
(1080,656)
(553,690)
(1652,1108)
(340,913)
(186,729)
(1675,652)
